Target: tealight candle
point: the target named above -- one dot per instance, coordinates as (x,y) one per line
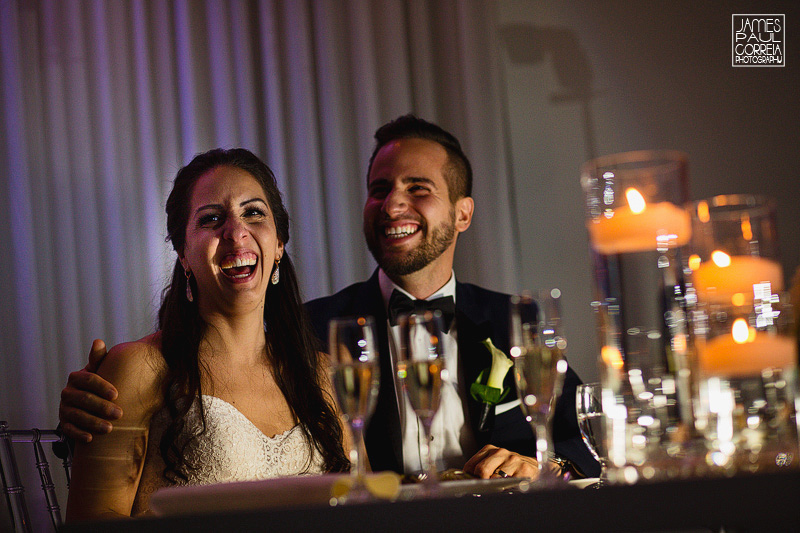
(721,283)
(724,356)
(627,230)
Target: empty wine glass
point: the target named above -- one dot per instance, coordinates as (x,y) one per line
(355,375)
(419,367)
(537,347)
(589,406)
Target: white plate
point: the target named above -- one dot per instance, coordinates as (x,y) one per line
(245,495)
(583,483)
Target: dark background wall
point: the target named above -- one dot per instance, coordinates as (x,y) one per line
(594,78)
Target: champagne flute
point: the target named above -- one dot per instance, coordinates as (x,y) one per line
(589,406)
(355,373)
(537,348)
(420,368)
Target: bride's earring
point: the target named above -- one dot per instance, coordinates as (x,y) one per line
(189,295)
(276,274)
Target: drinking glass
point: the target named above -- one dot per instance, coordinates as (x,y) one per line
(589,406)
(537,348)
(352,345)
(419,367)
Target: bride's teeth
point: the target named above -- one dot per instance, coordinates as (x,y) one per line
(238,262)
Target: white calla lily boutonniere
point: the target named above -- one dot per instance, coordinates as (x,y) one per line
(489,389)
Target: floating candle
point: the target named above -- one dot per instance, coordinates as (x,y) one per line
(724,356)
(723,283)
(662,224)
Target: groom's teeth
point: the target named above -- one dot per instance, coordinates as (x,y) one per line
(401,231)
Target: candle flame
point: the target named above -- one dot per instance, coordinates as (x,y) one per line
(694,261)
(612,357)
(742,332)
(747,229)
(720,258)
(635,200)
(702,212)
(738,299)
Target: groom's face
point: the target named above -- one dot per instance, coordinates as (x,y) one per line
(409,219)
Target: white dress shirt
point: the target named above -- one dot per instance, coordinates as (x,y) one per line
(452,440)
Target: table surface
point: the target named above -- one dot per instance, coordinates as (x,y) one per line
(762,502)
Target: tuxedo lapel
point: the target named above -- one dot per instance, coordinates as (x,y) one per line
(473,328)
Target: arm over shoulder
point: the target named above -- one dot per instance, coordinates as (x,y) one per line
(106,471)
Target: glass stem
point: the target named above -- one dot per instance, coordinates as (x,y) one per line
(431,476)
(358,465)
(603,471)
(544,444)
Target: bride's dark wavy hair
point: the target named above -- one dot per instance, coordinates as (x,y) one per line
(291,344)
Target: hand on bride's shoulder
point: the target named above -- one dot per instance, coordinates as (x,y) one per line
(103,488)
(137,370)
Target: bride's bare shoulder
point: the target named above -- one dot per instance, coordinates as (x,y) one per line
(136,366)
(146,351)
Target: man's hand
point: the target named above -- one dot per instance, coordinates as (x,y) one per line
(493,462)
(87,406)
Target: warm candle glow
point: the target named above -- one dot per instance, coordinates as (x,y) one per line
(702,212)
(612,357)
(720,258)
(694,261)
(747,230)
(741,331)
(722,356)
(635,200)
(622,230)
(734,283)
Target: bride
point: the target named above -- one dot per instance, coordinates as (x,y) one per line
(230,387)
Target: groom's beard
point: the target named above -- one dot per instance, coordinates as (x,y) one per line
(433,245)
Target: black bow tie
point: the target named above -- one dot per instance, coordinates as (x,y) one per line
(400,304)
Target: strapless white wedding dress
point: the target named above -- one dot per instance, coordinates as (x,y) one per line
(232,448)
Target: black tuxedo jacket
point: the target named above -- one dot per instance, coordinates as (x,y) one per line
(480,314)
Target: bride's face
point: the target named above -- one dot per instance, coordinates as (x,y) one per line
(231,240)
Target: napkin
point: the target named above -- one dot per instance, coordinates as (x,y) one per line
(383,485)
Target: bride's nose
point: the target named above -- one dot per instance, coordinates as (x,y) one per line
(234,229)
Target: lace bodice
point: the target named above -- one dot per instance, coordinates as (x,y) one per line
(231,449)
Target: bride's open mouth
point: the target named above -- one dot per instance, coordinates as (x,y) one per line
(239,266)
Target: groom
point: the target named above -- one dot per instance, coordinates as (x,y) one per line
(419,200)
(419,185)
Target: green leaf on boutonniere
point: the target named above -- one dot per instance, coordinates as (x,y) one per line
(490,390)
(484,393)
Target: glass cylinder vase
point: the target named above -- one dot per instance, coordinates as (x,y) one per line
(743,323)
(639,227)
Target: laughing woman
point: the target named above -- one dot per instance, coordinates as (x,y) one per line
(230,387)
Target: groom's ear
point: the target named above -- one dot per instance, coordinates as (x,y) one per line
(464,208)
